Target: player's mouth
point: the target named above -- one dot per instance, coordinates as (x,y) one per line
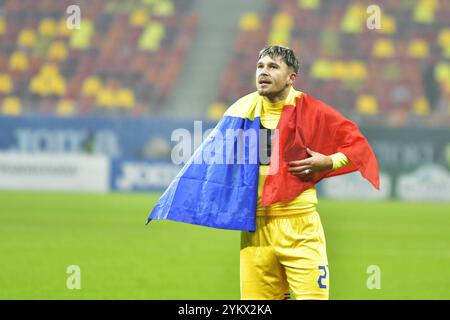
(264,82)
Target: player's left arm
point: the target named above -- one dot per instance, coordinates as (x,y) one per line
(317,162)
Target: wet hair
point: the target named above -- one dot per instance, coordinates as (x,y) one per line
(285,53)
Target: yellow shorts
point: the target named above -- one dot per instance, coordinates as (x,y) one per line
(285,253)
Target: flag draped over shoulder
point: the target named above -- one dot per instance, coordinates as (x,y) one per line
(310,123)
(218,186)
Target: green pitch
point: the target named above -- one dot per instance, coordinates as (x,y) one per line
(42,234)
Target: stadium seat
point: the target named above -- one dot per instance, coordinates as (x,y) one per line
(308,4)
(163,8)
(388,24)
(27,38)
(81,38)
(91,86)
(424,11)
(340,70)
(152,36)
(62,29)
(354,18)
(6,83)
(139,18)
(106,98)
(65,108)
(57,51)
(216,111)
(418,49)
(48,82)
(2,26)
(48,27)
(18,61)
(11,106)
(442,72)
(383,48)
(444,41)
(125,98)
(250,21)
(421,106)
(367,104)
(322,69)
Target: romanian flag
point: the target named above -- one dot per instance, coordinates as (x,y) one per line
(218,186)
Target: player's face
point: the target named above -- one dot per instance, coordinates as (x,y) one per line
(273,77)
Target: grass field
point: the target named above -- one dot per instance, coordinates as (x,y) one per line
(41,234)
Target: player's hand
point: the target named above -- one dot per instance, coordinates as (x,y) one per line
(305,169)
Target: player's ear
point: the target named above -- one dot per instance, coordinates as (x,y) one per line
(292,78)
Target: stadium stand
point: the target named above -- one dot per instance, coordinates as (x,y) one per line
(124,58)
(395,75)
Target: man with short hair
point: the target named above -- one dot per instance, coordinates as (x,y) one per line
(273,203)
(287,252)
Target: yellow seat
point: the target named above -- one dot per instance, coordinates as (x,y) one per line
(48,81)
(58,85)
(6,83)
(383,48)
(11,106)
(418,49)
(65,108)
(367,104)
(250,21)
(57,51)
(444,42)
(357,70)
(150,2)
(421,106)
(18,61)
(282,20)
(125,98)
(424,11)
(308,4)
(322,69)
(340,70)
(388,24)
(91,86)
(444,37)
(48,27)
(139,18)
(49,69)
(81,38)
(151,37)
(163,8)
(216,111)
(106,98)
(2,26)
(442,72)
(26,38)
(279,37)
(38,86)
(354,18)
(62,29)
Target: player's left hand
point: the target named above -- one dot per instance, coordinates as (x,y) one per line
(306,168)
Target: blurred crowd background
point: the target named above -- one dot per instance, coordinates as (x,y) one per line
(155,57)
(93,90)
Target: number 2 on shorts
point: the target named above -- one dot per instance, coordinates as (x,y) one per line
(322,277)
